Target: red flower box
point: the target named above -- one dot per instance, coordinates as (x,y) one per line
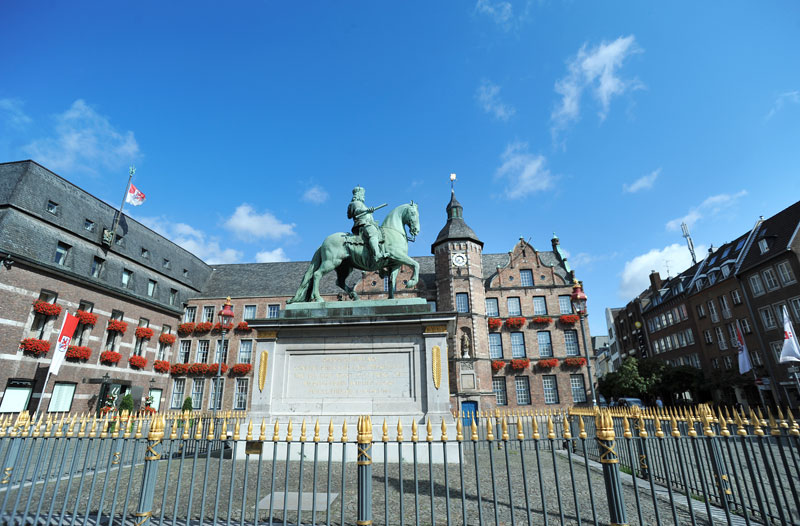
(515,323)
(569,319)
(520,364)
(574,362)
(144,332)
(541,320)
(48,309)
(203,327)
(108,357)
(149,410)
(161,366)
(185,329)
(495,323)
(179,369)
(241,368)
(218,327)
(86,318)
(75,352)
(547,363)
(167,339)
(35,346)
(137,361)
(212,369)
(198,369)
(117,326)
(243,327)
(497,365)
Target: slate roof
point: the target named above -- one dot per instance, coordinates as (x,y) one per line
(455,228)
(778,230)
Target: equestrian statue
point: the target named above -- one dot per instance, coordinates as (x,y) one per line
(370,247)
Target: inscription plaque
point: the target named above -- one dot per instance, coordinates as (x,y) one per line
(354,375)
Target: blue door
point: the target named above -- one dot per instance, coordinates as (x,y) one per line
(468,409)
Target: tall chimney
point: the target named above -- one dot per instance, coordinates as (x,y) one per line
(655,281)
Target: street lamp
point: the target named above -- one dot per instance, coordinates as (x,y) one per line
(225,320)
(579,304)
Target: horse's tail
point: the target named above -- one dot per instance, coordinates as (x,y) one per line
(303,290)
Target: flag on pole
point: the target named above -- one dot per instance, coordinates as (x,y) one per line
(791,349)
(744,355)
(64,339)
(134,196)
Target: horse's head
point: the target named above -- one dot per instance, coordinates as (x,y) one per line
(411,218)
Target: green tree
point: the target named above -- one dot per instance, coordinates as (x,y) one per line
(627,382)
(126,404)
(187,404)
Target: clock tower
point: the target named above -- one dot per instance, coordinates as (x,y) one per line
(459,285)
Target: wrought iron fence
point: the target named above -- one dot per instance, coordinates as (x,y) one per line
(562,467)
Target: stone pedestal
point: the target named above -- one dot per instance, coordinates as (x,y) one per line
(338,360)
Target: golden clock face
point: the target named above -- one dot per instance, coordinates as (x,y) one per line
(459,260)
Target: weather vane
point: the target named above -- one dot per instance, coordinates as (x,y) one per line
(132,170)
(452,181)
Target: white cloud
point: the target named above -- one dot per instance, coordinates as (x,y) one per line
(645,182)
(247,224)
(586,260)
(710,207)
(488,96)
(789,97)
(195,241)
(596,69)
(12,111)
(316,195)
(523,172)
(635,275)
(84,140)
(269,256)
(500,12)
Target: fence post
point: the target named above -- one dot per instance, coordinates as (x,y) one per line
(610,459)
(641,432)
(715,455)
(144,510)
(364,471)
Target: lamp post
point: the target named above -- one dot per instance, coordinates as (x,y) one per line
(579,304)
(225,319)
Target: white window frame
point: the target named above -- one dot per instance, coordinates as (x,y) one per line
(540,311)
(756,286)
(62,397)
(545,348)
(518,346)
(572,348)
(523,282)
(249,308)
(492,307)
(177,404)
(770,279)
(198,390)
(245,354)
(462,302)
(785,273)
(514,306)
(577,384)
(240,393)
(499,389)
(190,314)
(550,388)
(522,386)
(565,304)
(495,345)
(273,311)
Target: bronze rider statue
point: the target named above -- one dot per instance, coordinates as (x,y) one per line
(364,223)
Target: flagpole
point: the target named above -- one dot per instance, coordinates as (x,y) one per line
(47,376)
(752,369)
(125,195)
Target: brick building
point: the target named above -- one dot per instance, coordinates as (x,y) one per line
(51,233)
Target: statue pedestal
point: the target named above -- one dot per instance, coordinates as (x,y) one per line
(339,360)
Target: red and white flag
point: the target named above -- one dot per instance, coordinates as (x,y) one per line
(791,349)
(134,196)
(64,339)
(744,356)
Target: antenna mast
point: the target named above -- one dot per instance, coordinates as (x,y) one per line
(689,242)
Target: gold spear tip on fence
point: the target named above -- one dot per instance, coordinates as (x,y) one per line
(289,428)
(473,430)
(774,430)
(443,437)
(385,431)
(429,429)
(520,430)
(399,431)
(459,430)
(550,432)
(316,430)
(344,431)
(414,435)
(303,430)
(626,428)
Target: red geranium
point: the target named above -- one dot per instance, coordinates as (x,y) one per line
(515,323)
(203,327)
(569,319)
(117,326)
(86,318)
(48,309)
(198,369)
(184,329)
(144,332)
(520,364)
(243,327)
(161,366)
(137,361)
(495,323)
(241,368)
(218,327)
(575,362)
(179,368)
(212,369)
(75,352)
(35,346)
(110,357)
(167,339)
(149,410)
(541,320)
(547,363)
(497,365)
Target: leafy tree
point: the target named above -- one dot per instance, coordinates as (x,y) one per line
(187,404)
(627,382)
(126,404)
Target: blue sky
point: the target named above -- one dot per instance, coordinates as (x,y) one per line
(250,122)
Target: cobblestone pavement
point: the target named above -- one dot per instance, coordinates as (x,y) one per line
(497,492)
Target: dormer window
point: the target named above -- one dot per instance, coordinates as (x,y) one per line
(52,207)
(762,245)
